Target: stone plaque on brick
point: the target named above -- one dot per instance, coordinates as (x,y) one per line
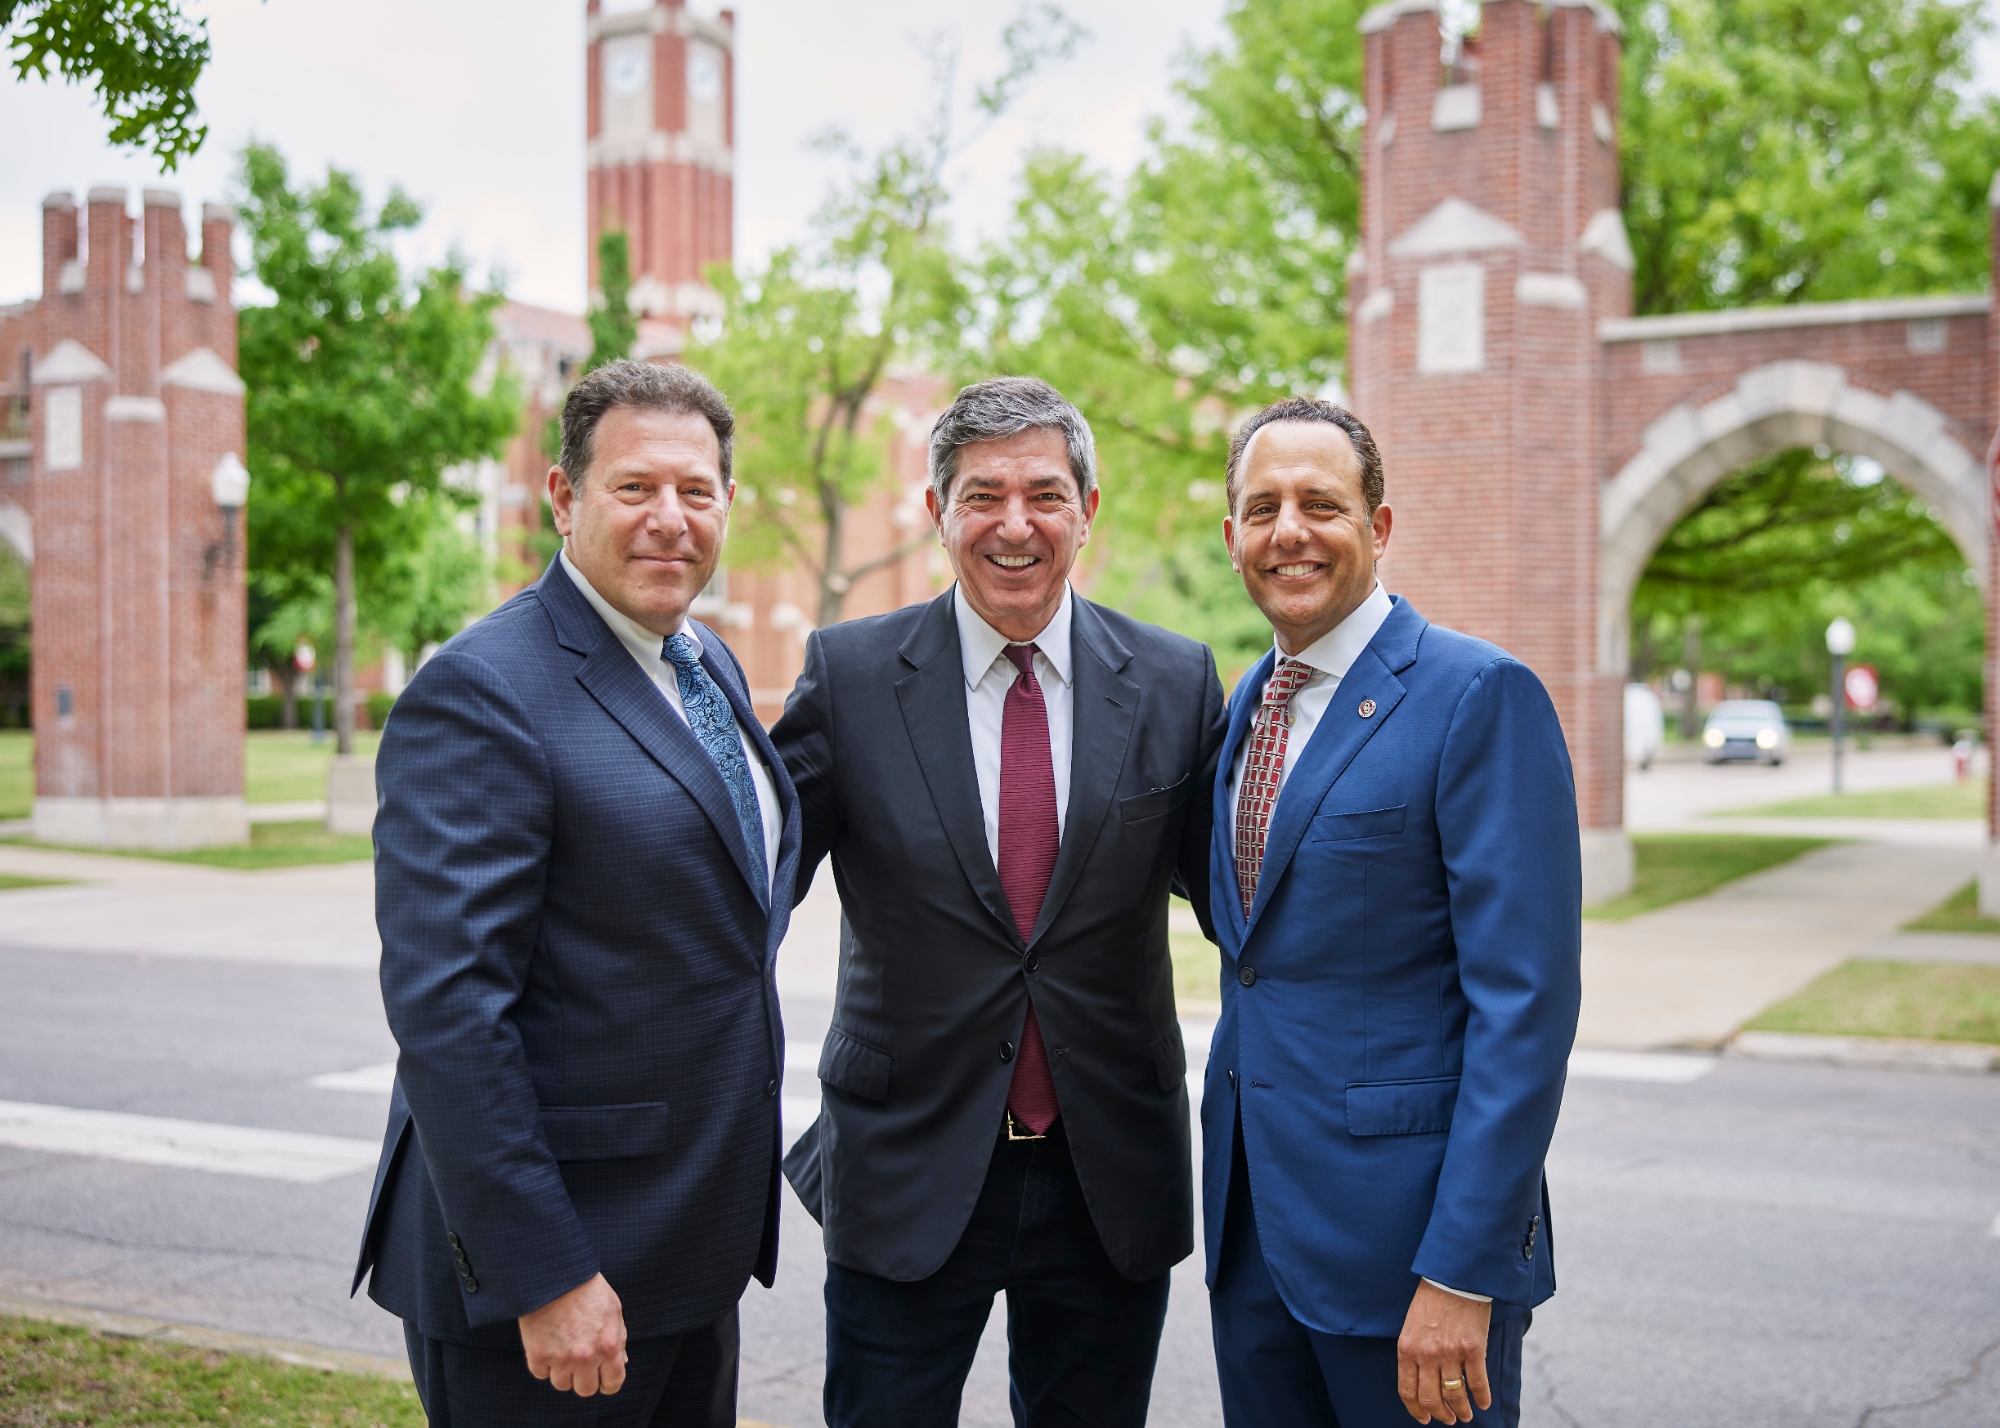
(62,432)
(1451,318)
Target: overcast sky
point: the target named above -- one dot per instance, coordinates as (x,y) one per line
(476,108)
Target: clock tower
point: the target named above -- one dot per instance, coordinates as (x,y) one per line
(661,154)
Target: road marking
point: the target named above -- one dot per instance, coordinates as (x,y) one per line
(185,1145)
(377,1080)
(1661,1067)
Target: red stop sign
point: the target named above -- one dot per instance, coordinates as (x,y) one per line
(1862,688)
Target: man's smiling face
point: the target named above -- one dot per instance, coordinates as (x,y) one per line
(1012,523)
(1301,534)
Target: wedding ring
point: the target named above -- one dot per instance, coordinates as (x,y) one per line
(1452,1384)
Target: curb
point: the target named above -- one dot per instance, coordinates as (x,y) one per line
(1879,1053)
(196,1336)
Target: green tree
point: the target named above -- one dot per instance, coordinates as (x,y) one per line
(614,327)
(365,388)
(142,56)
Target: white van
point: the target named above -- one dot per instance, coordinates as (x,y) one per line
(1645,725)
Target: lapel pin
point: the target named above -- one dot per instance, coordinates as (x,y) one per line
(1367,708)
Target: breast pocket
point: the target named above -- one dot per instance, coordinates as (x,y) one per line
(1155,802)
(1370,823)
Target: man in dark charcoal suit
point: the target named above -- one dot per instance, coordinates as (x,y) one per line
(1008,781)
(584,864)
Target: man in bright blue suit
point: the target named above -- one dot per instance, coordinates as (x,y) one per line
(584,859)
(1395,883)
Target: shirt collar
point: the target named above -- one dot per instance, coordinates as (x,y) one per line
(1335,651)
(979,644)
(646,647)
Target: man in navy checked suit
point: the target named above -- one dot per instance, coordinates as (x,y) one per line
(585,854)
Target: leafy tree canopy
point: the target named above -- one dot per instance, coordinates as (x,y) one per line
(365,388)
(142,56)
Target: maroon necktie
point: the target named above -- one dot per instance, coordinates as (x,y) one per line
(1029,837)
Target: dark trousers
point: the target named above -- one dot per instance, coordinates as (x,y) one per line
(1277,1373)
(1082,1339)
(679,1381)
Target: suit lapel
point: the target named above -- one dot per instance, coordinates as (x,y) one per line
(1244,699)
(933,704)
(1342,733)
(1103,704)
(616,682)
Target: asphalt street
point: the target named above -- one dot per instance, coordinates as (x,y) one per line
(1761,1245)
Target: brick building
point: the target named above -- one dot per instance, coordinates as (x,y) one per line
(1539,441)
(126,368)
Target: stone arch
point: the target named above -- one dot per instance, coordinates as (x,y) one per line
(1688,450)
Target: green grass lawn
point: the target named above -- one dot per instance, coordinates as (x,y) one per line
(272,845)
(1957,913)
(8,882)
(1673,867)
(1937,800)
(285,765)
(1197,967)
(279,766)
(17,773)
(54,1375)
(1932,1001)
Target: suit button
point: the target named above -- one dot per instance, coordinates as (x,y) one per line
(770,1088)
(471,1285)
(1232,1080)
(1034,963)
(1248,976)
(1006,1052)
(452,1236)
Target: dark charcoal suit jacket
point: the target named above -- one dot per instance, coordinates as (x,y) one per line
(578,971)
(933,975)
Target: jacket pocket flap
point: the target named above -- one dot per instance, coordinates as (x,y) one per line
(1156,802)
(1170,1060)
(854,1066)
(1401,1107)
(607,1132)
(1372,823)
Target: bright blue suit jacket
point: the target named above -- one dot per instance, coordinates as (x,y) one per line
(578,970)
(1398,1009)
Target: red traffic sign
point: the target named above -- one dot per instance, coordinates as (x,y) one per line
(1862,688)
(305,657)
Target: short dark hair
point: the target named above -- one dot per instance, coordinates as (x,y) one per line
(626,383)
(1308,409)
(1003,407)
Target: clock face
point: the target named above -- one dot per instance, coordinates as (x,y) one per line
(627,67)
(704,75)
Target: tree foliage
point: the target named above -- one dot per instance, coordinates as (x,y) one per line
(614,327)
(142,56)
(365,388)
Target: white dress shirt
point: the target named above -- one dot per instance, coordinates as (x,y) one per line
(1331,656)
(988,676)
(645,647)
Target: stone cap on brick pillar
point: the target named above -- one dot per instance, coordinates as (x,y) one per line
(163,198)
(1381,17)
(106,193)
(60,198)
(69,362)
(218,213)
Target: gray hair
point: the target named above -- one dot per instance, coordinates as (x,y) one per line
(1004,407)
(626,383)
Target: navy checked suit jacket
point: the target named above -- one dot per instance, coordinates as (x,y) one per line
(579,974)
(1398,1007)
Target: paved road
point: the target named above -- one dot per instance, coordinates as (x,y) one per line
(1763,1245)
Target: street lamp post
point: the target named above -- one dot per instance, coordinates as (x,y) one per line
(1839,644)
(229,485)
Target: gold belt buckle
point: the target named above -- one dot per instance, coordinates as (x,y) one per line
(1015,1131)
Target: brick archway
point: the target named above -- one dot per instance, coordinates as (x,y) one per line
(1773,408)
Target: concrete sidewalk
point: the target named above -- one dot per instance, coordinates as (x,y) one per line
(1689,975)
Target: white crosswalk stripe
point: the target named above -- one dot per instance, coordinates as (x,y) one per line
(186,1145)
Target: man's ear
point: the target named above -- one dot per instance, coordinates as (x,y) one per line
(937,511)
(561,500)
(1229,543)
(1383,520)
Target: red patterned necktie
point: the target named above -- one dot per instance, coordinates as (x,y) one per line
(1264,773)
(1029,837)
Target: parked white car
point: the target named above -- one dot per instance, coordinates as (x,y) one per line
(1645,725)
(1740,729)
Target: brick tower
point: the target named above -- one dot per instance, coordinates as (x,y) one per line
(137,574)
(1492,247)
(661,154)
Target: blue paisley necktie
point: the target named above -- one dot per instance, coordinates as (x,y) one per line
(714,724)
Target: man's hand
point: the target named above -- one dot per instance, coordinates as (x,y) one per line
(1441,1356)
(577,1342)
